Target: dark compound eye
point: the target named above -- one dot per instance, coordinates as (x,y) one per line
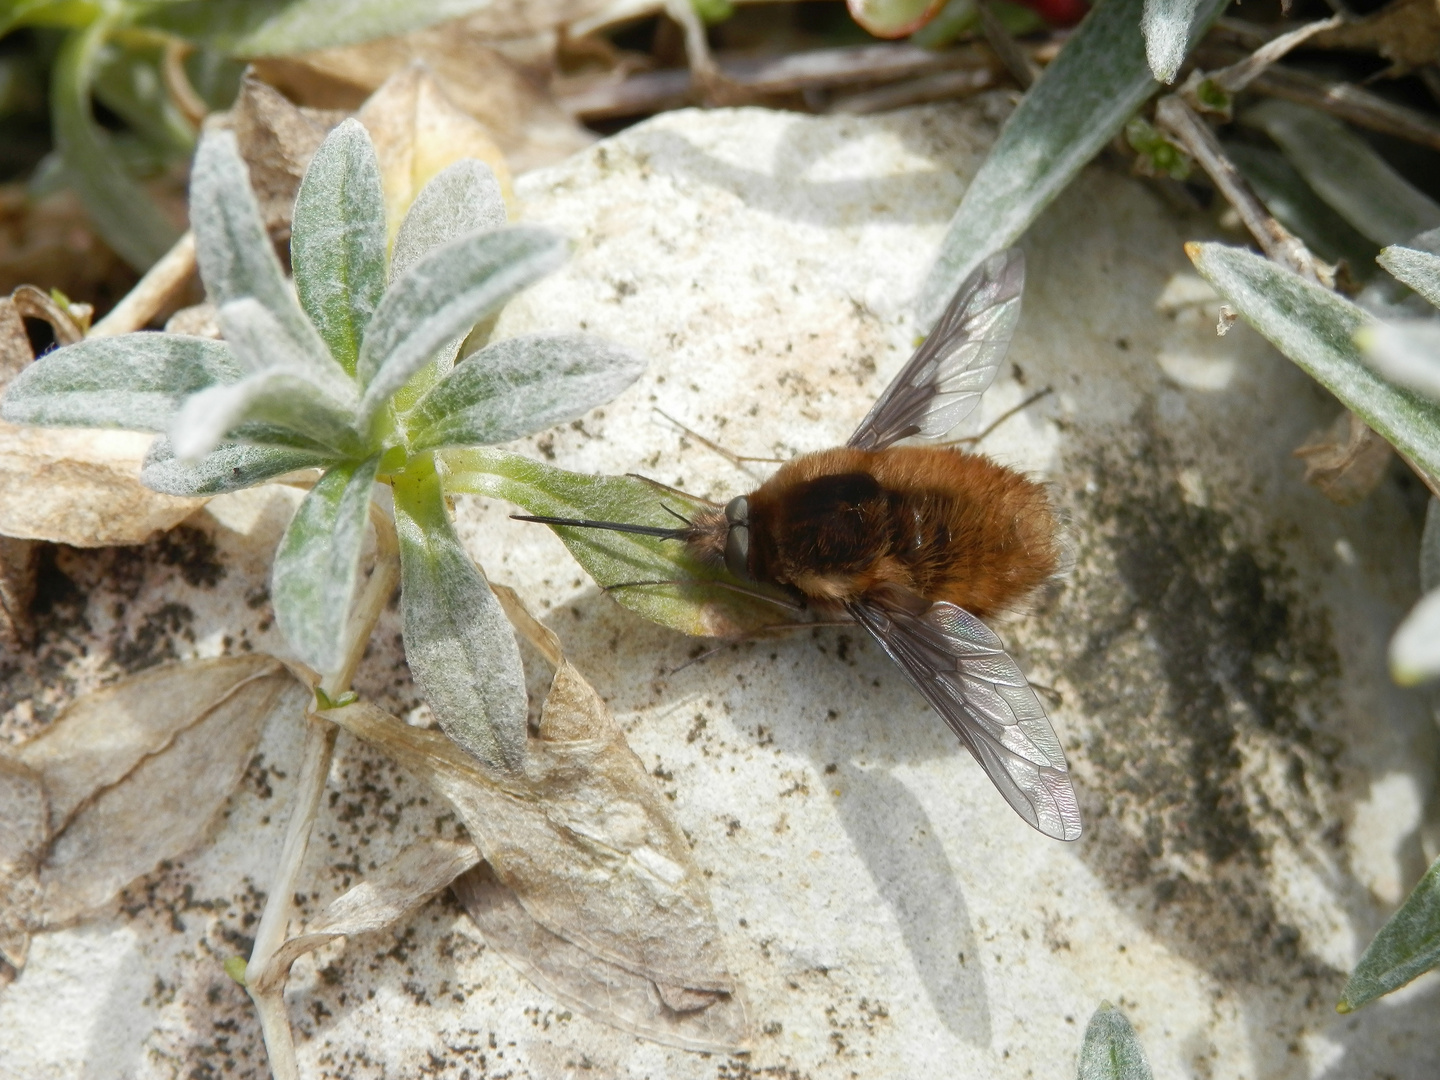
(737,549)
(737,511)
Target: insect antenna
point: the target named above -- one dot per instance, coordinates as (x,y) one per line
(614,526)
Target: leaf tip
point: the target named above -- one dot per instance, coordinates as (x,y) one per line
(1193,249)
(235,968)
(1343,1007)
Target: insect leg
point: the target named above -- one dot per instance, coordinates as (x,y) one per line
(974,440)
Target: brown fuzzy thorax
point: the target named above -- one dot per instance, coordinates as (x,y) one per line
(916,524)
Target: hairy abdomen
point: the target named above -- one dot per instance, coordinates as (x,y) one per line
(913,522)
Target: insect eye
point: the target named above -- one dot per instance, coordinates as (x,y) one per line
(737,511)
(737,550)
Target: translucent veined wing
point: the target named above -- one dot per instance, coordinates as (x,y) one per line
(940,385)
(959,665)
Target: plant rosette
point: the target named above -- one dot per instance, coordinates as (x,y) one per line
(364,369)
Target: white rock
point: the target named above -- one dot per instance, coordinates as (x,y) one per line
(1225,703)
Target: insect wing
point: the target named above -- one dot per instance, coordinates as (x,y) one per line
(961,668)
(941,384)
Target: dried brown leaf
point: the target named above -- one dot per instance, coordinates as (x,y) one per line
(387,896)
(132,775)
(81,488)
(198,320)
(1347,461)
(1405,32)
(15,350)
(595,892)
(277,140)
(69,323)
(517,110)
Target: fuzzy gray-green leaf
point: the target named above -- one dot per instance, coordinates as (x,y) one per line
(1077,105)
(231,245)
(132,381)
(337,246)
(290,403)
(1418,269)
(1112,1050)
(318,563)
(458,643)
(229,467)
(442,296)
(519,386)
(1166,26)
(1408,945)
(1316,329)
(463,198)
(1346,172)
(260,343)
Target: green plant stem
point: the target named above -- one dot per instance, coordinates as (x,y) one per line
(121,211)
(264,977)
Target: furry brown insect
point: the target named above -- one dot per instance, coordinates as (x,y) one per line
(916,544)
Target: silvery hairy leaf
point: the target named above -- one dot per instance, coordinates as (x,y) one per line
(261,344)
(1316,328)
(463,198)
(337,246)
(1418,269)
(1080,101)
(229,467)
(232,247)
(519,386)
(1166,26)
(1346,172)
(1112,1051)
(444,294)
(289,404)
(1406,946)
(458,643)
(133,381)
(318,564)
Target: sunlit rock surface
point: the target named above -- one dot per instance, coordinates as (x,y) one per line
(1255,791)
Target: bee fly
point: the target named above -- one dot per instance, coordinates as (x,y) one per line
(917,544)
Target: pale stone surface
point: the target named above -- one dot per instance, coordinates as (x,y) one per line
(1255,790)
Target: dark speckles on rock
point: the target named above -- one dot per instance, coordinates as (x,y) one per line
(1201,655)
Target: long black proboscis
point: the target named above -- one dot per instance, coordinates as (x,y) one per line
(614,526)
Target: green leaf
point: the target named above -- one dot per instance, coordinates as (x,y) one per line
(1316,328)
(463,198)
(129,83)
(286,27)
(1346,172)
(261,344)
(1166,26)
(318,564)
(460,647)
(442,296)
(229,467)
(237,259)
(1408,945)
(337,244)
(1405,351)
(519,386)
(278,399)
(1112,1051)
(69,13)
(893,18)
(687,594)
(1077,105)
(132,381)
(1418,269)
(1296,206)
(122,212)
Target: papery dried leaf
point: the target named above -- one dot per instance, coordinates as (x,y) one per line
(1347,461)
(17,589)
(81,488)
(15,350)
(1405,32)
(134,773)
(198,320)
(519,115)
(611,904)
(385,897)
(277,140)
(22,840)
(705,1020)
(418,133)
